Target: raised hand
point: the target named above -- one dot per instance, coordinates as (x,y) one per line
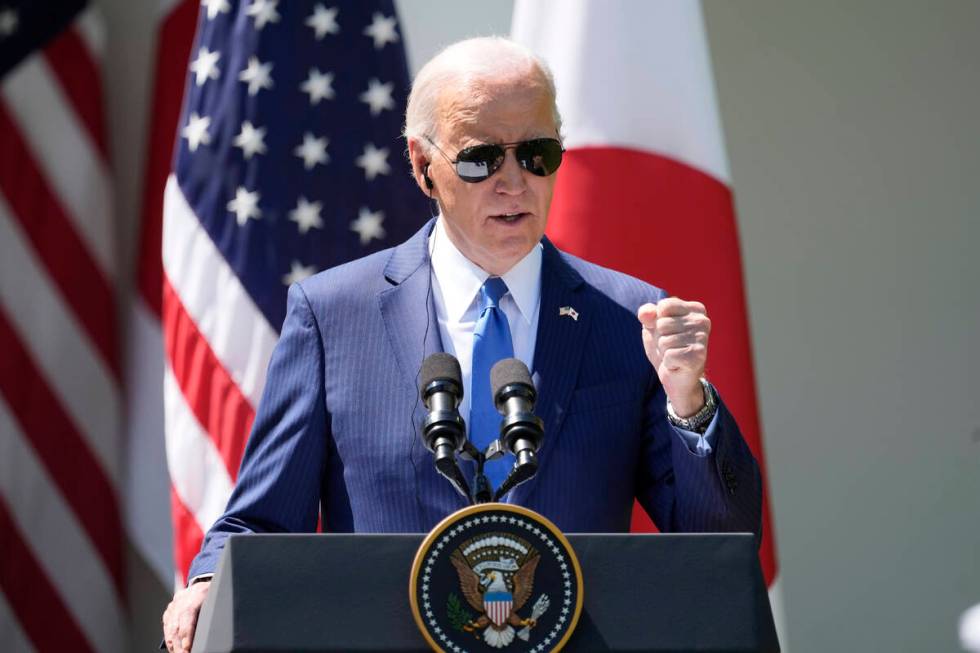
(675,337)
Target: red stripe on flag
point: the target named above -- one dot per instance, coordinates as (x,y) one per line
(76,71)
(66,258)
(173,51)
(40,611)
(673,226)
(187,535)
(62,450)
(211,393)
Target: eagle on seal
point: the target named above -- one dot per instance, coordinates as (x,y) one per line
(497,600)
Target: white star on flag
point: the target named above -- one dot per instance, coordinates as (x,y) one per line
(306,215)
(264,12)
(297,273)
(216,7)
(251,139)
(257,75)
(368,225)
(374,161)
(323,21)
(245,206)
(8,21)
(205,67)
(313,150)
(318,85)
(382,30)
(196,131)
(378,96)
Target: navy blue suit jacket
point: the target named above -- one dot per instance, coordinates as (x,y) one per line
(338,426)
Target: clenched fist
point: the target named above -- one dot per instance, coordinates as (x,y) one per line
(675,336)
(180,618)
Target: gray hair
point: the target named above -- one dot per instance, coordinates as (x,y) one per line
(460,66)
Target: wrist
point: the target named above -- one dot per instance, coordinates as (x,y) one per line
(701,419)
(688,404)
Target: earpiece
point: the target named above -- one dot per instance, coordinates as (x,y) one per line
(428,180)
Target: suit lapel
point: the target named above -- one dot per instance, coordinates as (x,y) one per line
(561,339)
(407,309)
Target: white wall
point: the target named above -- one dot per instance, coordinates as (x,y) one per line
(852,132)
(855,154)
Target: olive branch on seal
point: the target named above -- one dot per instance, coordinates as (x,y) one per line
(458,615)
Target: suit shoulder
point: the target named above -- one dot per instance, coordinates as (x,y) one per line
(355,280)
(618,286)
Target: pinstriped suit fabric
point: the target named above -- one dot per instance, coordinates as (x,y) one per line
(339,420)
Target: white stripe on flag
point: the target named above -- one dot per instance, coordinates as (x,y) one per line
(11,635)
(66,154)
(672,62)
(57,540)
(211,293)
(147,484)
(50,333)
(167,6)
(197,471)
(92,30)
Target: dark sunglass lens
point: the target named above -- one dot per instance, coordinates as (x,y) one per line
(479,162)
(541,156)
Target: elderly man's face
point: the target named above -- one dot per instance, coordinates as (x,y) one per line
(495,222)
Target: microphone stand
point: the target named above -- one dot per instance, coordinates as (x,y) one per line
(482,491)
(525,467)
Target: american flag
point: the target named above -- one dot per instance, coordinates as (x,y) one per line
(289,161)
(61,539)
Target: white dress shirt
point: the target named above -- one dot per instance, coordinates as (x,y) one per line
(456,291)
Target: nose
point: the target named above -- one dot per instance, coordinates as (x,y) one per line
(510,178)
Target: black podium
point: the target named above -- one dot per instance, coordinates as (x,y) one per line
(350,593)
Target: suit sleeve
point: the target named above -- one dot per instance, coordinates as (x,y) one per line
(278,486)
(683,491)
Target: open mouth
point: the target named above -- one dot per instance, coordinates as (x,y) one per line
(510,218)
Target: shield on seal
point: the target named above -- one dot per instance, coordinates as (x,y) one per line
(497,605)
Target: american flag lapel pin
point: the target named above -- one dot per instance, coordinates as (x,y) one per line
(569,311)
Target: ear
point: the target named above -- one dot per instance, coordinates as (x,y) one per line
(420,161)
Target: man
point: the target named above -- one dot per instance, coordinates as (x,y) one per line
(617,364)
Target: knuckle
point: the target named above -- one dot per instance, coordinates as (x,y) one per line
(668,304)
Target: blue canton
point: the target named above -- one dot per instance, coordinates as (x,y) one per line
(289,145)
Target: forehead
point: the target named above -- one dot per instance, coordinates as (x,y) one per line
(501,109)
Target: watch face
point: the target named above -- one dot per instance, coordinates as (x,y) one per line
(496,577)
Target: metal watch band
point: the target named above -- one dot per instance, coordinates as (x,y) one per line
(699,421)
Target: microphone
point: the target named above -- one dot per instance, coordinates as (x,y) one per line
(521,431)
(443,431)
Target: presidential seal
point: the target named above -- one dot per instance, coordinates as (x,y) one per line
(496,576)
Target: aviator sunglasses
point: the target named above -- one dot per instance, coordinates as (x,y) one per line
(539,156)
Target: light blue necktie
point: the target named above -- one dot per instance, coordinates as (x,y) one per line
(491,343)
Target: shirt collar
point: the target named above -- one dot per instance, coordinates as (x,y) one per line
(460,279)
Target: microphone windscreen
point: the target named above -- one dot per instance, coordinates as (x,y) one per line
(508,372)
(441,366)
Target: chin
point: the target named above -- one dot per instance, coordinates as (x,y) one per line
(508,255)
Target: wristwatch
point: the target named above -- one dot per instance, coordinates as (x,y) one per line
(699,421)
